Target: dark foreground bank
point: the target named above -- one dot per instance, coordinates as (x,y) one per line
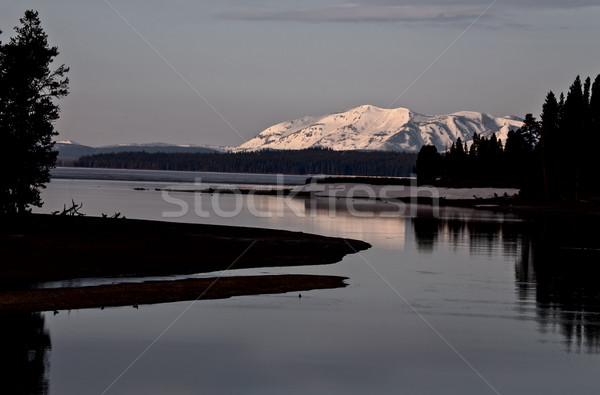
(38,248)
(151,292)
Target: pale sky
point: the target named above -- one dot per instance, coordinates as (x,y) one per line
(221,71)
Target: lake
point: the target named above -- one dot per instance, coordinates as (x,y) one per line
(467,301)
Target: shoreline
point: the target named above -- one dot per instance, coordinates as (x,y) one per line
(500,203)
(154,292)
(40,247)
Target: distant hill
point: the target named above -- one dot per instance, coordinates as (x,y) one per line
(378,129)
(71,151)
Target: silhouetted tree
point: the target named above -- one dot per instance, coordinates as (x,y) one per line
(474,145)
(586,155)
(531,131)
(554,158)
(28,87)
(551,144)
(572,127)
(561,105)
(456,160)
(594,162)
(428,163)
(595,105)
(586,91)
(520,154)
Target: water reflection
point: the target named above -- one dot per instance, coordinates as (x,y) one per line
(556,267)
(483,235)
(559,267)
(24,360)
(332,217)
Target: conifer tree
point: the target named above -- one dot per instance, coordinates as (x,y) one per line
(28,88)
(460,151)
(550,142)
(594,137)
(586,91)
(561,106)
(428,163)
(595,110)
(474,145)
(595,103)
(572,127)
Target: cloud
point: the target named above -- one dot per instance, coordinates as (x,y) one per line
(361,13)
(485,3)
(394,10)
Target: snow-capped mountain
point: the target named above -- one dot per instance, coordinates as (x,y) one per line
(372,128)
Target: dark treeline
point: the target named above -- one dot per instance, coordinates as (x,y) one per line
(553,158)
(308,161)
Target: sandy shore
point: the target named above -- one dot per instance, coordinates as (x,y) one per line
(137,294)
(38,248)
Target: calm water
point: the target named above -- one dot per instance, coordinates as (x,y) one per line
(470,302)
(80,173)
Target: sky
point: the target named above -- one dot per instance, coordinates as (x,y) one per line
(218,72)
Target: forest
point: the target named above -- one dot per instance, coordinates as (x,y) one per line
(307,161)
(551,158)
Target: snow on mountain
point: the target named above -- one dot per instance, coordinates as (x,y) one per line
(67,142)
(373,128)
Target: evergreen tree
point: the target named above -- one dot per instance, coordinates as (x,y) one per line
(595,112)
(460,151)
(561,107)
(536,157)
(575,104)
(593,163)
(428,163)
(496,145)
(550,144)
(572,127)
(586,153)
(456,160)
(521,143)
(586,91)
(531,132)
(522,156)
(28,87)
(595,104)
(474,145)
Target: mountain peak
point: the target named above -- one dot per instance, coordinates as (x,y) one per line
(368,127)
(367,107)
